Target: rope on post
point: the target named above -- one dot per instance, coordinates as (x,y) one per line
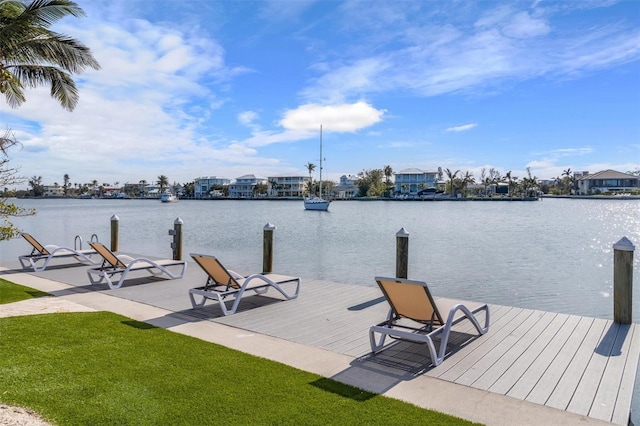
(623,281)
(402,253)
(267,248)
(115,221)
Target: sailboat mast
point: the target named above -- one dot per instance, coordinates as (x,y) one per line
(320,186)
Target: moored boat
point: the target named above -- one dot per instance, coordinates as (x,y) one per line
(313,202)
(168,198)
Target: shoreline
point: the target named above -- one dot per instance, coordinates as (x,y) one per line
(364,199)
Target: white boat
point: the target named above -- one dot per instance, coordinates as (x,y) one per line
(313,202)
(168,198)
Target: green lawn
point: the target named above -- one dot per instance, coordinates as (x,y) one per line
(99,368)
(10,292)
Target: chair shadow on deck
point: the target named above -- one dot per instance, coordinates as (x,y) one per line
(613,340)
(211,312)
(400,361)
(249,303)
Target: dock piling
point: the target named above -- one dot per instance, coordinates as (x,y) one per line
(176,244)
(267,248)
(402,253)
(623,281)
(115,221)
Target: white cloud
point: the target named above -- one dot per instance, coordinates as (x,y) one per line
(340,118)
(522,25)
(503,46)
(461,128)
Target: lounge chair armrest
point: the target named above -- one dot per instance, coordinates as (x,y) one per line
(236,275)
(127,259)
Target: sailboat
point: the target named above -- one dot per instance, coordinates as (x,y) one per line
(313,202)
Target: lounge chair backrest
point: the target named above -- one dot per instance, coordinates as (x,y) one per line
(36,245)
(108,255)
(214,269)
(410,299)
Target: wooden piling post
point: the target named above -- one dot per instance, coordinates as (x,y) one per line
(115,221)
(402,253)
(623,281)
(176,245)
(267,248)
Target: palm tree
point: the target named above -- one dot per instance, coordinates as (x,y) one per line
(451,175)
(65,185)
(569,180)
(467,180)
(310,167)
(163,181)
(388,172)
(32,55)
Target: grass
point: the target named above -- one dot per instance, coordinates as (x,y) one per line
(10,292)
(101,368)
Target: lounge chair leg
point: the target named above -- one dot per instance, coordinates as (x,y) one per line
(195,304)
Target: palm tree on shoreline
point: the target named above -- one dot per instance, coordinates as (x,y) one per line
(451,175)
(388,172)
(163,181)
(310,167)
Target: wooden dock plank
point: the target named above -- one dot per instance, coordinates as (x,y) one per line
(626,385)
(587,387)
(604,401)
(557,368)
(526,357)
(457,357)
(464,361)
(489,358)
(564,391)
(539,366)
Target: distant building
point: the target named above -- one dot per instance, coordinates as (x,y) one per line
(606,181)
(287,186)
(347,188)
(411,181)
(244,186)
(202,185)
(53,191)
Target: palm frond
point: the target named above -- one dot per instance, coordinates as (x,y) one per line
(63,88)
(12,89)
(54,49)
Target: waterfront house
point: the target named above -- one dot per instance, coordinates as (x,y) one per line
(287,186)
(244,186)
(606,181)
(52,191)
(411,181)
(347,188)
(202,185)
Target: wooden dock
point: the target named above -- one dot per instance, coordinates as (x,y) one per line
(578,364)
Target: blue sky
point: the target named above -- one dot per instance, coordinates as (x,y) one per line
(228,88)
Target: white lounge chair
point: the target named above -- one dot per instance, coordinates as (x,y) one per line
(113,265)
(222,283)
(45,253)
(412,300)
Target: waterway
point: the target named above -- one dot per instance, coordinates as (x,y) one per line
(554,254)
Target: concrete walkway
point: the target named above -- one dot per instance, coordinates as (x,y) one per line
(427,392)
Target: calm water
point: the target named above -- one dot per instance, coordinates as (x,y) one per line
(554,255)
